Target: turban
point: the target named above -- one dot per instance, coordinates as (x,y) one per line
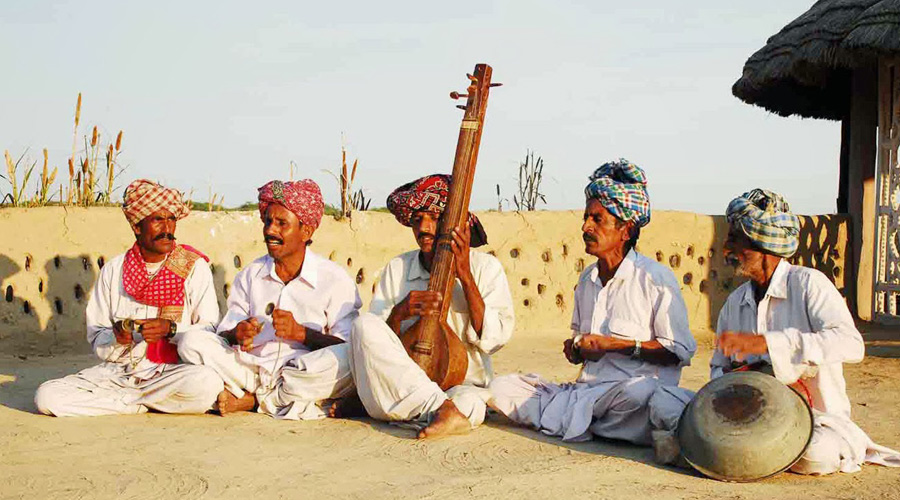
(766,219)
(143,197)
(621,187)
(302,197)
(429,194)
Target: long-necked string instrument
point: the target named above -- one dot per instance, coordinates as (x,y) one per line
(430,342)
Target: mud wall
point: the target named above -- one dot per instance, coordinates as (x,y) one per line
(50,259)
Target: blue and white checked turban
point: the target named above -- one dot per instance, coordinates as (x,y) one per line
(766,218)
(621,187)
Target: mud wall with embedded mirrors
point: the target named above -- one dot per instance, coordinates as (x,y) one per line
(51,257)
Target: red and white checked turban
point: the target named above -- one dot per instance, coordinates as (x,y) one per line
(143,197)
(303,198)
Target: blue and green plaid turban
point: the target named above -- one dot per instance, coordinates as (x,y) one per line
(766,218)
(621,187)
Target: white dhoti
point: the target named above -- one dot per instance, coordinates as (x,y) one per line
(391,385)
(288,383)
(576,411)
(112,389)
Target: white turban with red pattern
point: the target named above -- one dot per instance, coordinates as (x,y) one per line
(303,198)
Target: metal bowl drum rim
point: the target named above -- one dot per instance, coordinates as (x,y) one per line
(717,477)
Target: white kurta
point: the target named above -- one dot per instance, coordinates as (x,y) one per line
(611,396)
(127,382)
(390,385)
(289,381)
(810,334)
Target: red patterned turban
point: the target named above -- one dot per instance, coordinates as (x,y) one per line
(303,198)
(429,194)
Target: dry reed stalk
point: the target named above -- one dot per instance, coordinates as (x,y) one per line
(74,143)
(11,170)
(110,170)
(119,142)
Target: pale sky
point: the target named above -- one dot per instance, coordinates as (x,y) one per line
(225,94)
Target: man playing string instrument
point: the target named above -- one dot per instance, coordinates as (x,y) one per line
(284,309)
(629,327)
(145,301)
(390,385)
(793,319)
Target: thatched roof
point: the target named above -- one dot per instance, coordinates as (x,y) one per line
(804,69)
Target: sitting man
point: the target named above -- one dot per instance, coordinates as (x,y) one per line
(629,327)
(390,385)
(283,309)
(794,319)
(145,299)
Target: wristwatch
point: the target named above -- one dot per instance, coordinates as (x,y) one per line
(636,353)
(173,327)
(576,342)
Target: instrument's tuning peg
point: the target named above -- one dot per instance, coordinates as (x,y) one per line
(456,95)
(472,78)
(496,85)
(460,106)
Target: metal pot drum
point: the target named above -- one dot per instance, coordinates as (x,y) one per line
(744,426)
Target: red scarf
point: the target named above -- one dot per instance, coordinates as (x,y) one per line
(164,291)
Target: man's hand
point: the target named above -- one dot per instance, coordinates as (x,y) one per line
(286,328)
(461,237)
(571,352)
(123,336)
(419,303)
(741,345)
(154,329)
(245,331)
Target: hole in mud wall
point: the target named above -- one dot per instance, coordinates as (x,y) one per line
(579,265)
(360,276)
(712,253)
(492,253)
(41,286)
(349,262)
(687,279)
(373,288)
(701,260)
(79,293)
(525,281)
(237,262)
(659,256)
(690,251)
(565,250)
(57,262)
(546,257)
(57,303)
(85,263)
(836,271)
(9,293)
(331,256)
(835,253)
(225,289)
(526,302)
(101,262)
(28,262)
(514,253)
(26,307)
(674,261)
(704,285)
(541,288)
(560,301)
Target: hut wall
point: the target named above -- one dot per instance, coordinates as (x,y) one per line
(861,179)
(51,257)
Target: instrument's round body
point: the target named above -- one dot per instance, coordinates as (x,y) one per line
(744,426)
(434,346)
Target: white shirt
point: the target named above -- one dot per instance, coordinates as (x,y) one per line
(642,302)
(405,273)
(323,297)
(808,329)
(110,303)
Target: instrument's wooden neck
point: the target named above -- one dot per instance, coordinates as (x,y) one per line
(456,212)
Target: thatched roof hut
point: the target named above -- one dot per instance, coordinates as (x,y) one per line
(840,60)
(805,68)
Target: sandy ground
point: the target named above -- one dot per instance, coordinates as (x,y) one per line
(164,456)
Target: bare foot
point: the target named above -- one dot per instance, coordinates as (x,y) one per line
(448,421)
(226,403)
(347,407)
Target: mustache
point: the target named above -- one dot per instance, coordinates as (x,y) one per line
(588,237)
(273,239)
(422,235)
(161,236)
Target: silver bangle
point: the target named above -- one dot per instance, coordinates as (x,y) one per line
(636,353)
(576,341)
